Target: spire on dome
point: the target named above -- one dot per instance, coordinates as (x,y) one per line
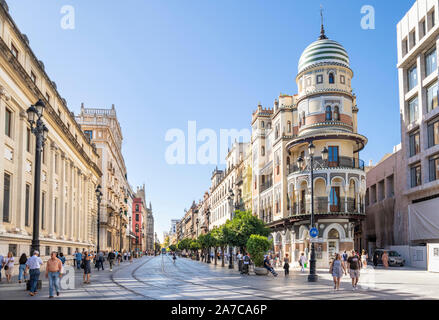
(322,29)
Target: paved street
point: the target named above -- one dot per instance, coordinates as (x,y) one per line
(154,278)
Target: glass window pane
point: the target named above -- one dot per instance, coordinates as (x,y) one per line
(432,97)
(430,62)
(413,110)
(412,77)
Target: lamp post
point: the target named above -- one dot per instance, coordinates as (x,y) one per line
(129,234)
(312,277)
(230,198)
(99,198)
(39,129)
(120,229)
(207,217)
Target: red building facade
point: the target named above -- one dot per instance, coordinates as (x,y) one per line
(137,227)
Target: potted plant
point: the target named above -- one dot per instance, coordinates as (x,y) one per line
(257,245)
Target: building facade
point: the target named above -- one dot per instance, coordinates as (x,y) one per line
(324,112)
(70,171)
(103,129)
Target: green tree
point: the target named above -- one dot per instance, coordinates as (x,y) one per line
(173,247)
(243,225)
(257,246)
(184,244)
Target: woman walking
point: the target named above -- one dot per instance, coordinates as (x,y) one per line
(86,259)
(364,258)
(9,266)
(385,259)
(337,269)
(22,268)
(287,264)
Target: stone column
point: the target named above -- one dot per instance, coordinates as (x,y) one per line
(18,219)
(51,189)
(62,184)
(4,96)
(71,203)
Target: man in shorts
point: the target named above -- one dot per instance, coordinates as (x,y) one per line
(354,269)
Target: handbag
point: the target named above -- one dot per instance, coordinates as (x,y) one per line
(82,265)
(6,268)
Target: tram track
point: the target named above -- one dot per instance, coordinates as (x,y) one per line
(218,288)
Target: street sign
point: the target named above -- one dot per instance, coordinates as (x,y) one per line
(314,232)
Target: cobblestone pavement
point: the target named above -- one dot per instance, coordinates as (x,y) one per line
(159,278)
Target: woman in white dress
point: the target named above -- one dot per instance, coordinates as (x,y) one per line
(364,258)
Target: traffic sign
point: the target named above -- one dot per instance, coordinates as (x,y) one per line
(314,232)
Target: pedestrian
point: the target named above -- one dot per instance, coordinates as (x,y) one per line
(337,269)
(364,258)
(63,260)
(111,257)
(33,264)
(125,256)
(302,262)
(86,259)
(2,263)
(287,265)
(78,258)
(174,258)
(100,261)
(267,265)
(385,259)
(354,264)
(345,261)
(129,256)
(239,257)
(22,268)
(9,266)
(245,264)
(119,258)
(53,272)
(375,259)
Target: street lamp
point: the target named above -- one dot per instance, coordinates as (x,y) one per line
(312,277)
(207,217)
(120,228)
(99,198)
(129,233)
(39,129)
(230,198)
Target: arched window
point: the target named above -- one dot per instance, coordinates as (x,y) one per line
(336,113)
(289,126)
(328,113)
(331,78)
(262,124)
(263,151)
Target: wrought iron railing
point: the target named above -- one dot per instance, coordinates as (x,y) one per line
(319,163)
(323,206)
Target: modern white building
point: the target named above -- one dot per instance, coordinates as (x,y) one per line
(417,216)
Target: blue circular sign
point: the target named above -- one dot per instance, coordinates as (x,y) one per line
(314,232)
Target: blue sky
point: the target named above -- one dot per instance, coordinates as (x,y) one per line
(165,62)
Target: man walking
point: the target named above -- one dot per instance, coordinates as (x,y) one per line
(239,257)
(53,272)
(354,269)
(111,257)
(100,262)
(246,264)
(2,262)
(33,264)
(78,258)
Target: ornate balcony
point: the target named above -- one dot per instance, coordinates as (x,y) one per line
(266,185)
(323,206)
(343,162)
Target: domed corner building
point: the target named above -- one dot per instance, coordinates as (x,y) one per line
(323,113)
